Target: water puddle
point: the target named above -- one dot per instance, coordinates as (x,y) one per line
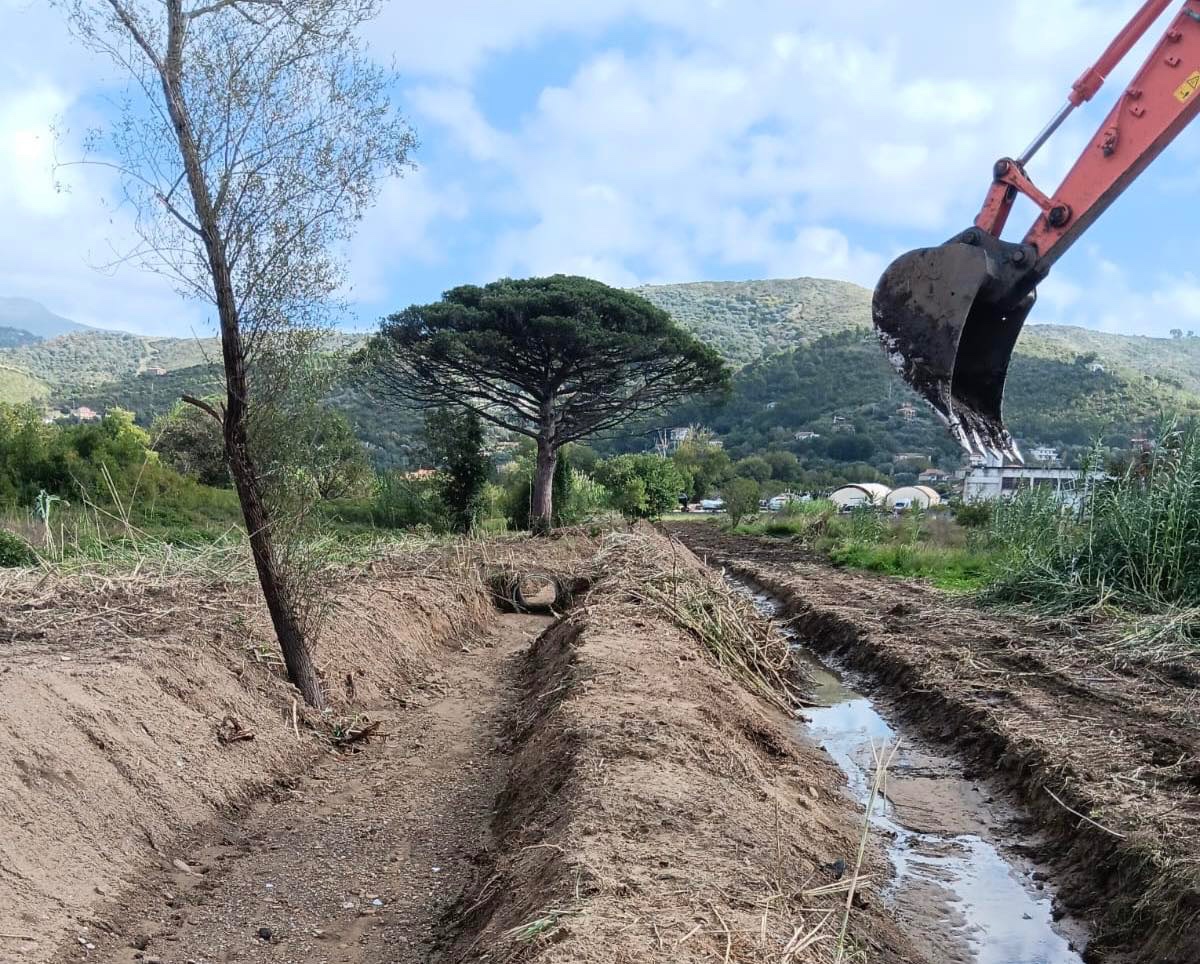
(952,887)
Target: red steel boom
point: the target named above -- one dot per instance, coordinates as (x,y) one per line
(950,316)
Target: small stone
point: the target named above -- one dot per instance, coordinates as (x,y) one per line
(377,902)
(264,934)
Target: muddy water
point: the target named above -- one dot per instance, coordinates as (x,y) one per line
(957,885)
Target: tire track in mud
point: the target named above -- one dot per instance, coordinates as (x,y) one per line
(357,862)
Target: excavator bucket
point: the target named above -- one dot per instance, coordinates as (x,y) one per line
(948,318)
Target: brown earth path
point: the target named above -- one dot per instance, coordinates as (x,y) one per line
(356,862)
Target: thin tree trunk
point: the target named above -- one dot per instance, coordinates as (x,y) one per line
(296,656)
(288,630)
(541,517)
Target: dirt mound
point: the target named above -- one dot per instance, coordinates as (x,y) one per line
(657,811)
(130,711)
(1104,754)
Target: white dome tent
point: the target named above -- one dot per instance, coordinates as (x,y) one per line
(913,496)
(860,494)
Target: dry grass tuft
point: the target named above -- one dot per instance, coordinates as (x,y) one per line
(660,576)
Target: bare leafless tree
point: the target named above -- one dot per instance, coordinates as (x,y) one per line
(253,136)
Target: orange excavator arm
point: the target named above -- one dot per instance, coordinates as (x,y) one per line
(949,316)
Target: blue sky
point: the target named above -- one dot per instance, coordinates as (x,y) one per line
(647,141)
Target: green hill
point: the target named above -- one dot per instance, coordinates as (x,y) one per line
(745,320)
(808,354)
(804,352)
(94,357)
(842,388)
(17,386)
(391,434)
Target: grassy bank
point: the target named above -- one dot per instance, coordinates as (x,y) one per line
(915,544)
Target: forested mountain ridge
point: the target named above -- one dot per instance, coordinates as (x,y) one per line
(804,354)
(745,320)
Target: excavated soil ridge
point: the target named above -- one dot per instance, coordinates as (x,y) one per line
(133,710)
(655,811)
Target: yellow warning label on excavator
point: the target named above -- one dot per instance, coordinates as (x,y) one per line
(1187,90)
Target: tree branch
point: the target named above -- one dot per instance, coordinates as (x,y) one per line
(139,38)
(204,407)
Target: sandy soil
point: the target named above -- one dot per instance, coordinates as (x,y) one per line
(605,793)
(119,696)
(356,862)
(1043,713)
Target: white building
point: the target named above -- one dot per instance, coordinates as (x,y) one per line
(910,496)
(1044,453)
(987,483)
(860,494)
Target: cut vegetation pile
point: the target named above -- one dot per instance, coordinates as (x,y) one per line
(656,810)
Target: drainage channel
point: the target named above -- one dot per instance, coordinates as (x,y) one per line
(953,886)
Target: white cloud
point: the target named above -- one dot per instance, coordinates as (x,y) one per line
(765,137)
(397,233)
(1103,294)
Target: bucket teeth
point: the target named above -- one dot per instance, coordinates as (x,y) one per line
(950,342)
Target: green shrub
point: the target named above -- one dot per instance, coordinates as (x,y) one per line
(584,498)
(741,499)
(15,552)
(976,515)
(641,486)
(409,503)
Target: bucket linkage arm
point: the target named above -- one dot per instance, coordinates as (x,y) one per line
(949,316)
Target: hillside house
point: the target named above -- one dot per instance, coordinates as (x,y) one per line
(1045,454)
(933,476)
(1096,368)
(806,436)
(156,371)
(85,414)
(907,411)
(911,457)
(842,424)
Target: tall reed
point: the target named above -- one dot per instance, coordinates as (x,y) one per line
(1133,544)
